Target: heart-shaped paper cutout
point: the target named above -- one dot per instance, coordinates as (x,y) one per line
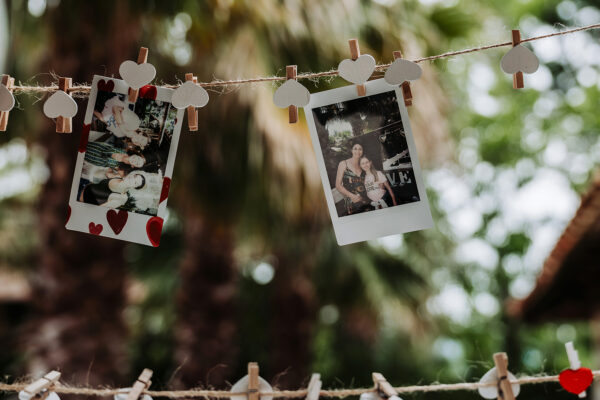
(357,71)
(137,75)
(402,70)
(370,396)
(68,215)
(7,100)
(117,220)
(519,58)
(491,392)
(23,395)
(106,86)
(164,193)
(95,229)
(154,230)
(291,93)
(576,381)
(148,92)
(60,104)
(189,94)
(85,136)
(242,386)
(122,395)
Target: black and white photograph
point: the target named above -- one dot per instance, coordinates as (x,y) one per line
(369,163)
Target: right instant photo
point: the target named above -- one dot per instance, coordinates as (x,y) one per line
(368,162)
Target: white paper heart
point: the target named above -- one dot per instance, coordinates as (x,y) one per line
(189,94)
(291,93)
(519,58)
(27,396)
(402,70)
(370,396)
(357,71)
(60,104)
(7,100)
(122,395)
(137,75)
(242,386)
(491,392)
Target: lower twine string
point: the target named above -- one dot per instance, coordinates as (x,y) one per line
(85,89)
(337,393)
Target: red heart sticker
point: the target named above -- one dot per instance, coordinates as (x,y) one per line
(576,381)
(106,86)
(148,92)
(154,230)
(164,193)
(68,215)
(95,229)
(85,135)
(117,220)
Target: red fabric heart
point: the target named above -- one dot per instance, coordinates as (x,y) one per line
(85,135)
(106,86)
(164,193)
(154,230)
(117,220)
(148,92)
(68,215)
(576,381)
(95,229)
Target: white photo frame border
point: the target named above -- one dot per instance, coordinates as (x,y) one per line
(377,223)
(138,228)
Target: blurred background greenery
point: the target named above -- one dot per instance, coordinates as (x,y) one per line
(248,268)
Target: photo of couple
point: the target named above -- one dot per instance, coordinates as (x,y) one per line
(126,154)
(366,154)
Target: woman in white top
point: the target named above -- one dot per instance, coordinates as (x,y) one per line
(376,184)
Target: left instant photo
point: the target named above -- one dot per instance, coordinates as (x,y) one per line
(125,163)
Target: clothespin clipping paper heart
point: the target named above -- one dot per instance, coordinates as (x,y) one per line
(60,104)
(137,75)
(519,59)
(189,94)
(491,377)
(7,100)
(357,71)
(291,93)
(242,386)
(402,70)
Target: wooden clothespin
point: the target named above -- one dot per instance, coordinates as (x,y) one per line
(505,391)
(143,382)
(383,387)
(9,83)
(63,124)
(192,112)
(290,73)
(518,76)
(354,54)
(253,393)
(142,58)
(314,387)
(406,92)
(41,386)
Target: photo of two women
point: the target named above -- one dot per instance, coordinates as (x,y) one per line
(366,154)
(126,154)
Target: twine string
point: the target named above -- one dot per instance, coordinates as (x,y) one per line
(336,393)
(84,89)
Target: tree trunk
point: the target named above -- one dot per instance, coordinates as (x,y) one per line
(78,288)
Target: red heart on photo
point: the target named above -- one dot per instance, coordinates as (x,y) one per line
(95,229)
(117,220)
(148,92)
(106,86)
(68,215)
(164,193)
(85,135)
(154,230)
(576,381)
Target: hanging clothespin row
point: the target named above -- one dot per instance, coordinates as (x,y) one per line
(142,383)
(400,72)
(251,386)
(576,379)
(137,74)
(496,383)
(357,70)
(518,60)
(291,94)
(41,389)
(314,387)
(384,388)
(7,100)
(61,107)
(190,95)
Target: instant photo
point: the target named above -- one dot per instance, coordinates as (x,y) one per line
(368,162)
(123,171)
